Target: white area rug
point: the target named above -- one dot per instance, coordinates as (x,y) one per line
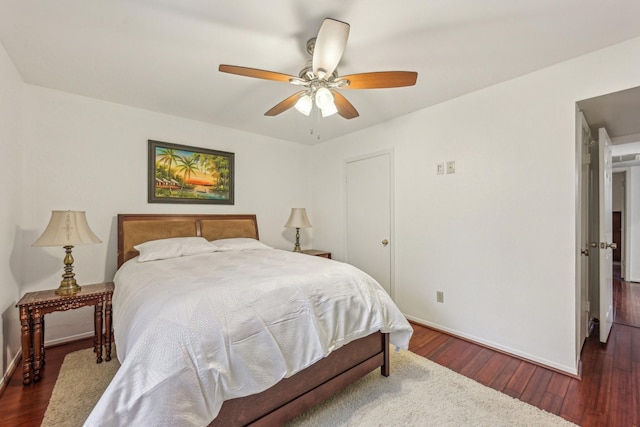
(418,393)
(78,388)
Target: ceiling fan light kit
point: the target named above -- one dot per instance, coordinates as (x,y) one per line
(304,104)
(329,110)
(323,97)
(320,77)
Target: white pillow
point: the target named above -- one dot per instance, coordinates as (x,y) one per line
(238,244)
(172,248)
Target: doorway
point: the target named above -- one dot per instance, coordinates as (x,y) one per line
(617,235)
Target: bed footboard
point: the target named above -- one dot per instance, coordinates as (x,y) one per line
(292,396)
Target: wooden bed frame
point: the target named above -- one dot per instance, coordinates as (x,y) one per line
(291,396)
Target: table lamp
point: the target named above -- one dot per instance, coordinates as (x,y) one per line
(67,229)
(298,219)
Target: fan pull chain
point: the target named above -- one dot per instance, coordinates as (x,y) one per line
(317,126)
(318,122)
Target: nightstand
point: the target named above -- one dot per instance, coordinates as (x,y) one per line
(34,305)
(315,252)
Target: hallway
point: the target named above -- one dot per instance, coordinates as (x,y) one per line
(609,393)
(626,298)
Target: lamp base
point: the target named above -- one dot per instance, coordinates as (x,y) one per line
(297,248)
(68,285)
(68,288)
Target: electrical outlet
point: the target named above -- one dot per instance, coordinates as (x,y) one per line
(440,169)
(439,296)
(451,167)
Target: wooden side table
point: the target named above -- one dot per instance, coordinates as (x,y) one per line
(316,252)
(34,305)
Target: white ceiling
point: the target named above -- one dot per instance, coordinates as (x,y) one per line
(163,55)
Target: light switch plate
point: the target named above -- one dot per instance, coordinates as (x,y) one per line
(440,169)
(451,167)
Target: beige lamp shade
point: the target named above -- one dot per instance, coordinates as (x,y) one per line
(298,219)
(67,228)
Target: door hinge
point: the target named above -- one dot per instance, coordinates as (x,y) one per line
(586,159)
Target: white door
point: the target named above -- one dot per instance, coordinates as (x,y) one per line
(368,217)
(584,140)
(605,234)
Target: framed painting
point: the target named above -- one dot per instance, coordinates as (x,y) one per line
(183,174)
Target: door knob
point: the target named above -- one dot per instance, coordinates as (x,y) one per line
(612,245)
(385,242)
(585,252)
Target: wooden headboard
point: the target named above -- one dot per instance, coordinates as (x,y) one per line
(134,229)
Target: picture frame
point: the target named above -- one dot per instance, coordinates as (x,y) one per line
(185,174)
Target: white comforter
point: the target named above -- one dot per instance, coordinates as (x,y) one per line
(194,331)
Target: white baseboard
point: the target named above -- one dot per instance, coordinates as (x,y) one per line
(10,369)
(63,340)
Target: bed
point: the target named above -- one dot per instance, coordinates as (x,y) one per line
(278,401)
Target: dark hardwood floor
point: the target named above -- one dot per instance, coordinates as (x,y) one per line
(626,296)
(25,405)
(607,395)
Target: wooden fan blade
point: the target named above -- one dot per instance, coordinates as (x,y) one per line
(345,108)
(379,80)
(254,72)
(283,106)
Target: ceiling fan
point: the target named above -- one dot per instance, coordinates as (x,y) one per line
(320,79)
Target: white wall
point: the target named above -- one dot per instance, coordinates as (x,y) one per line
(624,148)
(617,192)
(85,154)
(498,236)
(11,196)
(632,257)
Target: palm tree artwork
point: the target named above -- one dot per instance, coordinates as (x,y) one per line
(194,174)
